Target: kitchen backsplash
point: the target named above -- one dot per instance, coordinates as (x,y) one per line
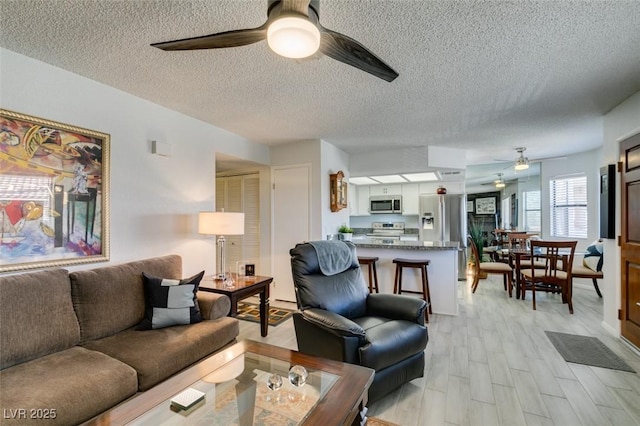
(365,221)
(359,231)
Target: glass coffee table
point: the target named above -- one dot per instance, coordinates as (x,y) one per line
(248,384)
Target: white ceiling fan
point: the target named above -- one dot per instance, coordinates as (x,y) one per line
(522,163)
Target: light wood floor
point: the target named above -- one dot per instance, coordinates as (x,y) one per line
(493,365)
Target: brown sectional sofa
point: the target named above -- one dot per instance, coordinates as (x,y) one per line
(68,345)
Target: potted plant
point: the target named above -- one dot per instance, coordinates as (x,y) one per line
(476,234)
(346,233)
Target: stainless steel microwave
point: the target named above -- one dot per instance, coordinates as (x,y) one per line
(385,204)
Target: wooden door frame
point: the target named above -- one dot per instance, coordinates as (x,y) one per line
(632,334)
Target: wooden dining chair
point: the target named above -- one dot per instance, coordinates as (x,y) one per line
(489,268)
(519,241)
(552,278)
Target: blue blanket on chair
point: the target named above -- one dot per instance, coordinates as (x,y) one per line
(333,256)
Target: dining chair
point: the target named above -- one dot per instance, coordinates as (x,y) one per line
(513,240)
(498,268)
(552,278)
(519,241)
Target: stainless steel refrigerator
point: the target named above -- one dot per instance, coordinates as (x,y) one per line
(444,218)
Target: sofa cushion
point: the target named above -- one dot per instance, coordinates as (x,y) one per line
(37,316)
(111,299)
(77,383)
(158,354)
(170,302)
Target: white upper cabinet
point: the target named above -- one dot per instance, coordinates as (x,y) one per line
(410,197)
(363,201)
(394,189)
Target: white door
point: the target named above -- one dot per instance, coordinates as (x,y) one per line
(291,223)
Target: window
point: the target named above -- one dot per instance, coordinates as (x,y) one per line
(532,216)
(569,206)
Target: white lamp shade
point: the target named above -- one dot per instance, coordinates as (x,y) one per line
(293,37)
(220,223)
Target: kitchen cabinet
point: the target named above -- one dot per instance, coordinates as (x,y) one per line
(394,189)
(410,197)
(363,201)
(354,202)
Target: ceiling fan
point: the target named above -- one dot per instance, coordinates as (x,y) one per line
(500,182)
(522,163)
(292,30)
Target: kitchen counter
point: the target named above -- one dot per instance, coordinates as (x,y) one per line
(442,269)
(405,245)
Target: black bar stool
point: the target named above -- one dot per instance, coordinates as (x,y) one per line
(413,263)
(373,273)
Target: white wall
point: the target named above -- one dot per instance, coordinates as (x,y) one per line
(154,200)
(332,160)
(619,124)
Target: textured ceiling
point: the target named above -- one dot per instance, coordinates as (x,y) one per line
(485,76)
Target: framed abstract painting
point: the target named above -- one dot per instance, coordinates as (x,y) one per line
(54,193)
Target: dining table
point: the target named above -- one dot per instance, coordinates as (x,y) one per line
(517,255)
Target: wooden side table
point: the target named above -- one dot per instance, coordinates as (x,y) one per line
(243,287)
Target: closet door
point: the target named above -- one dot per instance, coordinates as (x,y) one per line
(241,194)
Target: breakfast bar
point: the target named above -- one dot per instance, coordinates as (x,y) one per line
(442,270)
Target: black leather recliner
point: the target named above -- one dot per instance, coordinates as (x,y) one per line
(340,320)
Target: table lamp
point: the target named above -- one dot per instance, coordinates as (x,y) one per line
(220,224)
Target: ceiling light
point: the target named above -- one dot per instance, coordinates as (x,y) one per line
(361,181)
(389,179)
(500,184)
(293,37)
(421,177)
(522,162)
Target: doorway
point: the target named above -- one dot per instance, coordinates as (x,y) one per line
(291,223)
(630,239)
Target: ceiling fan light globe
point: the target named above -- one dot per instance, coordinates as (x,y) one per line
(521,165)
(293,37)
(500,185)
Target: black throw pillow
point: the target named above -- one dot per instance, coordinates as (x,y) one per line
(170,302)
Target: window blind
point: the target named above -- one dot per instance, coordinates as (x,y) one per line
(569,207)
(532,216)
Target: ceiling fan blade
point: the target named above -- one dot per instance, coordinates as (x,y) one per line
(344,49)
(233,38)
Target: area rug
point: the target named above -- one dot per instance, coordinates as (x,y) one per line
(251,312)
(586,350)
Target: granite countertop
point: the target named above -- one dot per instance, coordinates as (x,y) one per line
(406,245)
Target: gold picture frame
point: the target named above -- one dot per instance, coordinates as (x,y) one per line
(54,193)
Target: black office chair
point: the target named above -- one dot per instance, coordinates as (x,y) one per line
(340,320)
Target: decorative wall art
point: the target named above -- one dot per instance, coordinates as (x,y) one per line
(486,205)
(470,206)
(338,191)
(54,193)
